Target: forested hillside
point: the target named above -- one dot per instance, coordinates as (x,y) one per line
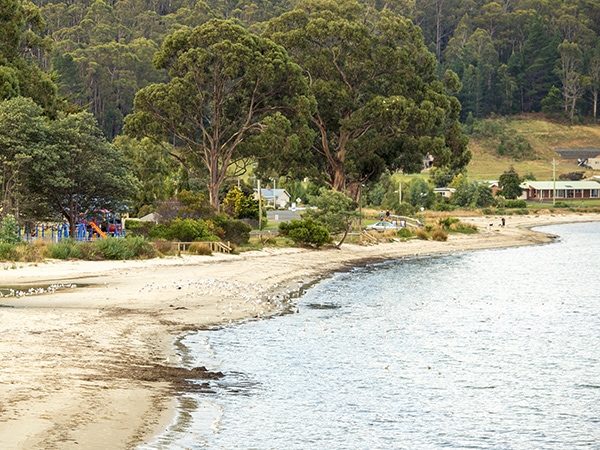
(367,86)
(511,57)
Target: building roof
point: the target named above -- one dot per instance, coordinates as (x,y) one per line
(270,193)
(562,184)
(577,153)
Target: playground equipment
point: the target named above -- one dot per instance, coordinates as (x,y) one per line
(97,229)
(84,230)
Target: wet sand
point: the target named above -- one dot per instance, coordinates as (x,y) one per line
(95,367)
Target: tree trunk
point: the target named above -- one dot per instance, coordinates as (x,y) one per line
(338,176)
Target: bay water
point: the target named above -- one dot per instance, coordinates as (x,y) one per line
(491,349)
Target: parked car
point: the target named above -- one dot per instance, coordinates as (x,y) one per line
(383,226)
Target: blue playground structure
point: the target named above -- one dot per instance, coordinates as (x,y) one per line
(106,226)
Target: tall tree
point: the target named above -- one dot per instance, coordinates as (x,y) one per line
(22,129)
(571,58)
(19,76)
(225,83)
(78,171)
(510,184)
(379,102)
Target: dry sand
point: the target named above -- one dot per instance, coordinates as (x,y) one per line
(94,367)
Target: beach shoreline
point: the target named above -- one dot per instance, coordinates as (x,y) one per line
(95,367)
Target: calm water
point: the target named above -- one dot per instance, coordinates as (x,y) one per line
(492,349)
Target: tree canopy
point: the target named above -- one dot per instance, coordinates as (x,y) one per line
(380,104)
(225,85)
(58,167)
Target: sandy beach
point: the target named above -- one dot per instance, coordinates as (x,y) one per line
(95,366)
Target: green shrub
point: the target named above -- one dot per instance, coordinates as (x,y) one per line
(9,230)
(187,230)
(522,212)
(8,252)
(139,228)
(447,222)
(228,229)
(61,250)
(112,248)
(305,232)
(515,203)
(140,247)
(463,228)
(404,233)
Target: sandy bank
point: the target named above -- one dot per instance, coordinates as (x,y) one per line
(93,367)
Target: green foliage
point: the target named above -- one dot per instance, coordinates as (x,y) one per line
(186,230)
(516,147)
(305,232)
(515,204)
(58,167)
(8,252)
(225,82)
(113,249)
(240,206)
(229,230)
(9,230)
(454,225)
(510,184)
(447,222)
(420,194)
(506,141)
(335,211)
(379,104)
(552,104)
(109,249)
(62,250)
(153,167)
(404,233)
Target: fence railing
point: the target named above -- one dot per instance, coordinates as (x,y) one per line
(213,246)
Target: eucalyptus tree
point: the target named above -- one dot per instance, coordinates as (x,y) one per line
(227,87)
(570,72)
(20,23)
(380,104)
(22,129)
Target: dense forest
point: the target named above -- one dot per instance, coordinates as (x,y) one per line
(403,65)
(511,57)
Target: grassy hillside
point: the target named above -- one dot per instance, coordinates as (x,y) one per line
(543,136)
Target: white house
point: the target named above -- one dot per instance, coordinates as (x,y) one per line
(276,198)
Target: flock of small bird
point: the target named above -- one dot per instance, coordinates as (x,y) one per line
(36,290)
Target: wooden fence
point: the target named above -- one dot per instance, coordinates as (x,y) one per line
(214,246)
